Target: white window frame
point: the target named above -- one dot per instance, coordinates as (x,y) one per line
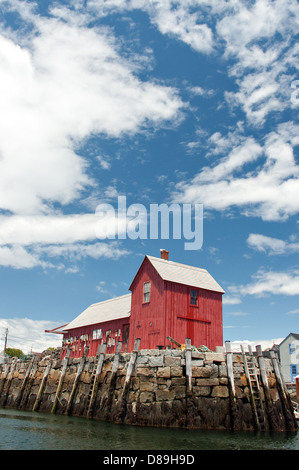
(146,292)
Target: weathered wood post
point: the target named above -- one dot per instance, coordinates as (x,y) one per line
(230,371)
(235,425)
(273,424)
(287,408)
(29,383)
(76,381)
(20,395)
(42,386)
(113,377)
(130,369)
(188,360)
(9,379)
(96,380)
(65,362)
(5,374)
(131,365)
(189,402)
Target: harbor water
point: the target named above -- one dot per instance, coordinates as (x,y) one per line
(22,430)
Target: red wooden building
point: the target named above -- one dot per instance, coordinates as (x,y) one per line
(167,299)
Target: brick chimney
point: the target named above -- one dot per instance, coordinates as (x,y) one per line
(164,254)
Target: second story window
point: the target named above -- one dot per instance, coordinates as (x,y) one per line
(146,291)
(193,297)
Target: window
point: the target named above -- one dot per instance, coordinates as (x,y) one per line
(193,297)
(293,372)
(146,291)
(97,334)
(292,348)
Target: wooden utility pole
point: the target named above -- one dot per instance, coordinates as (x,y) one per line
(5,340)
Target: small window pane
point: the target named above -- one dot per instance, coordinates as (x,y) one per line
(97,334)
(147,287)
(193,299)
(146,291)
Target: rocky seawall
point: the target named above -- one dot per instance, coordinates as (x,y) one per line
(167,388)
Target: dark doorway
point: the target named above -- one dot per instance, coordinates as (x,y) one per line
(126,332)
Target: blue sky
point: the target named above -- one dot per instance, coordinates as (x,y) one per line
(187,102)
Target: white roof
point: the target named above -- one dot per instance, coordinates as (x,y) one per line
(112,309)
(184,274)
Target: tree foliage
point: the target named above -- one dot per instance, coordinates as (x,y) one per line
(12,352)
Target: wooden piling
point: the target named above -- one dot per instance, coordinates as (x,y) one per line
(116,358)
(235,424)
(191,409)
(130,370)
(188,360)
(113,377)
(272,420)
(8,383)
(76,381)
(24,383)
(230,371)
(29,382)
(42,386)
(65,362)
(96,380)
(131,364)
(287,408)
(5,374)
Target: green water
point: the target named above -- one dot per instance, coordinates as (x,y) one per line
(21,430)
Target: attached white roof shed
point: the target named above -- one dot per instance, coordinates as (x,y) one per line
(112,309)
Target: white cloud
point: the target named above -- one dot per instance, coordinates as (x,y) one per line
(238,314)
(29,241)
(274,246)
(256,39)
(228,300)
(270,282)
(79,251)
(264,343)
(247,152)
(293,312)
(47,229)
(178,21)
(182,20)
(104,163)
(64,79)
(27,334)
(19,258)
(198,90)
(59,84)
(101,287)
(268,190)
